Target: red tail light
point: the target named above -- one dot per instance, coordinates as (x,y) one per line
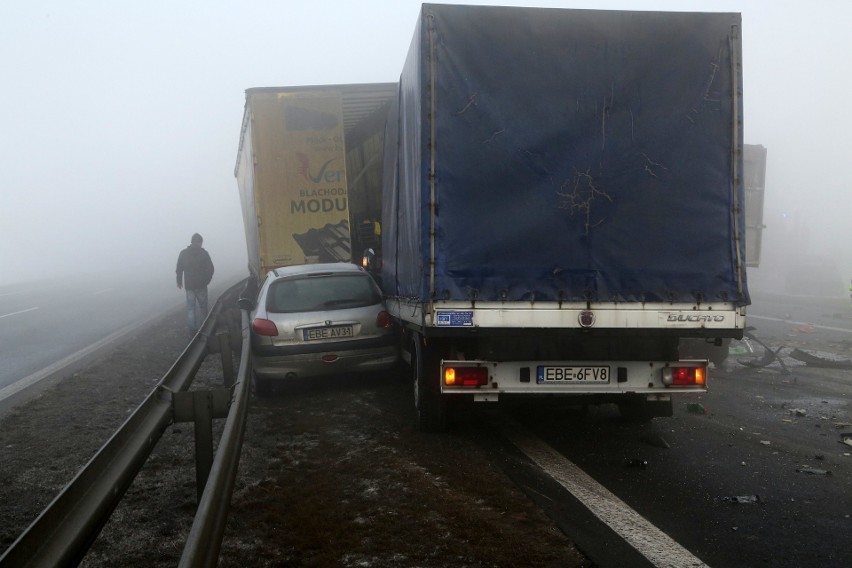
(264,327)
(465,376)
(685,376)
(384,320)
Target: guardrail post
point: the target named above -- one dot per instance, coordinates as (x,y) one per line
(227,358)
(201,407)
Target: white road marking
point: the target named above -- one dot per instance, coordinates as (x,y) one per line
(30,380)
(655,545)
(16,313)
(782,320)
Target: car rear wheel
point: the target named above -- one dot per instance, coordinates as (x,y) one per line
(262,387)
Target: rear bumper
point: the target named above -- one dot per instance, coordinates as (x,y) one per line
(325,362)
(341,347)
(622,377)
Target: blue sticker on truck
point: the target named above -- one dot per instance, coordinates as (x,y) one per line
(454,319)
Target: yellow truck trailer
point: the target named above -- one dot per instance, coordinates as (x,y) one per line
(307,160)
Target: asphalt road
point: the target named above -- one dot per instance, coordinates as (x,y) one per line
(756,476)
(44,322)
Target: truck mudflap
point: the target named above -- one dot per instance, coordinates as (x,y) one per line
(486,380)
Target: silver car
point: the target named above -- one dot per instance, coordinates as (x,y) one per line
(319,319)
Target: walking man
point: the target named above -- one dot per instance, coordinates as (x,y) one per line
(194,272)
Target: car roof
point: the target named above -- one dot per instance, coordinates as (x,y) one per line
(302,269)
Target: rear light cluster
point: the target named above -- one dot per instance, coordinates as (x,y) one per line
(384,320)
(465,376)
(684,376)
(264,327)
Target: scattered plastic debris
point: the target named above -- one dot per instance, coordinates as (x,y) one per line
(696,408)
(742,499)
(637,463)
(770,356)
(812,470)
(821,359)
(742,347)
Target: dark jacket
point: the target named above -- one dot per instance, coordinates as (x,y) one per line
(194,267)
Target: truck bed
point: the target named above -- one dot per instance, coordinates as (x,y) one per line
(571,157)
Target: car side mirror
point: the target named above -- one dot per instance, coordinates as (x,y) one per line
(245,304)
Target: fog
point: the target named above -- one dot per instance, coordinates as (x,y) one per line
(119,122)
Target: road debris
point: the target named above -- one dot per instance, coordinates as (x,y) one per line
(696,408)
(821,359)
(798,412)
(769,355)
(741,347)
(742,499)
(812,470)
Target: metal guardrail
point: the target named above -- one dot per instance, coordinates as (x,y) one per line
(205,536)
(64,531)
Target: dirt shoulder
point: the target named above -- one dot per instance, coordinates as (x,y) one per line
(332,474)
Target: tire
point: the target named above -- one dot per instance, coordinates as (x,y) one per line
(262,387)
(431,409)
(634,411)
(638,410)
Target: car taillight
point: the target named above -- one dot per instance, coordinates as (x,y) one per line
(684,376)
(465,376)
(384,320)
(264,327)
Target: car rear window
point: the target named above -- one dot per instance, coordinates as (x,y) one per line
(321,293)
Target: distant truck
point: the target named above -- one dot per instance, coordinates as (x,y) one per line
(563,203)
(309,167)
(754,181)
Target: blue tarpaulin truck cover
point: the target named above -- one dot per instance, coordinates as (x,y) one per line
(566,155)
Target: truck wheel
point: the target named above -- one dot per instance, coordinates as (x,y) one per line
(637,409)
(430,407)
(634,409)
